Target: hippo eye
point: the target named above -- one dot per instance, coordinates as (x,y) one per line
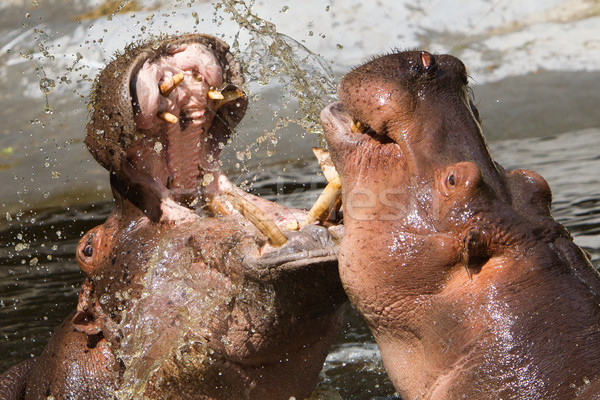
(451,180)
(88,250)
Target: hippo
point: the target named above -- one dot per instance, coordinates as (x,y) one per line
(194,288)
(470,287)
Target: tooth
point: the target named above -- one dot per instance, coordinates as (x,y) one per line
(218,206)
(258,218)
(326,202)
(215,95)
(357,127)
(293,226)
(325,163)
(168,117)
(228,95)
(330,200)
(167,87)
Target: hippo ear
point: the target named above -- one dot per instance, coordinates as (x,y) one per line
(530,190)
(86,319)
(459,179)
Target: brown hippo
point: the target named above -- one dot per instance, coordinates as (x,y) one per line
(185,298)
(470,287)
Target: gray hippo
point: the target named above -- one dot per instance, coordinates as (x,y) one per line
(470,287)
(194,288)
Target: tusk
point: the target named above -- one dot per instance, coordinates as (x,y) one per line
(215,95)
(168,117)
(217,206)
(326,201)
(325,163)
(293,226)
(168,85)
(228,95)
(258,218)
(335,208)
(357,127)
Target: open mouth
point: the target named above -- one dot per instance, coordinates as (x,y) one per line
(185,98)
(177,98)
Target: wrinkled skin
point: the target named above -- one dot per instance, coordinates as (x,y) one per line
(244,326)
(183,302)
(470,287)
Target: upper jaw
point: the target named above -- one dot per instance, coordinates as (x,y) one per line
(338,125)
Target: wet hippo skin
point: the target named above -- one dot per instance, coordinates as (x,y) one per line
(470,287)
(185,297)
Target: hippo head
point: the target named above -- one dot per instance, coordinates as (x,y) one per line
(406,140)
(449,257)
(161,113)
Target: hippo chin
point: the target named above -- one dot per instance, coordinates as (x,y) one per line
(185,298)
(471,289)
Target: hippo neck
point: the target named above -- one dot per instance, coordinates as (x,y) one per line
(492,336)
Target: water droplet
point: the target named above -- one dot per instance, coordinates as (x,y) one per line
(158,147)
(21,246)
(47,85)
(105,298)
(33,261)
(207,179)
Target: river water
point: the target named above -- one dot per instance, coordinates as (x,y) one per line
(534,66)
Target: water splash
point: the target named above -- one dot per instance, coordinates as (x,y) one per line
(177,300)
(304,76)
(46,87)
